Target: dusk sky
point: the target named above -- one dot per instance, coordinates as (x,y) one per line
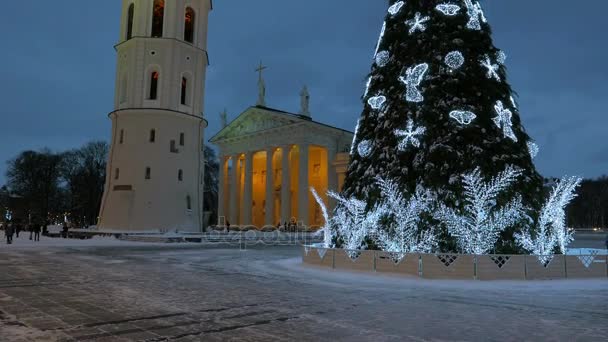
(58,67)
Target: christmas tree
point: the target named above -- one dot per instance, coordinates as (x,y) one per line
(438,106)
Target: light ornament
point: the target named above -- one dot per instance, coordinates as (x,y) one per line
(380,39)
(486,62)
(475,14)
(417,23)
(448,9)
(382,58)
(501,57)
(463,117)
(376,102)
(454,60)
(367,85)
(396,7)
(352,145)
(413,78)
(365,148)
(503,120)
(478,227)
(533,149)
(551,230)
(402,236)
(410,136)
(326,230)
(513,102)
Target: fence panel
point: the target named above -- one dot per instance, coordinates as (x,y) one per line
(501,267)
(318,256)
(392,263)
(447,266)
(354,260)
(554,269)
(586,266)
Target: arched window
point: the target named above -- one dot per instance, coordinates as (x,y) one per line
(182,139)
(184,93)
(158,15)
(180,175)
(154,85)
(189,22)
(152,135)
(148,173)
(188,202)
(117,173)
(130,21)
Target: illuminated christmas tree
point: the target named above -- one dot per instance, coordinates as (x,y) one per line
(438,106)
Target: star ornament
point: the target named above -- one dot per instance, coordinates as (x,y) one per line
(417,23)
(409,136)
(492,72)
(503,120)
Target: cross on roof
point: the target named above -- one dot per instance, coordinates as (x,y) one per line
(260,69)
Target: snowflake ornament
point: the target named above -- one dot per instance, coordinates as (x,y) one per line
(396,7)
(454,60)
(501,57)
(364,148)
(486,62)
(410,136)
(413,78)
(417,23)
(380,39)
(475,14)
(376,102)
(503,120)
(533,149)
(462,116)
(448,9)
(382,58)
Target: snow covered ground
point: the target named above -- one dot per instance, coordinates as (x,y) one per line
(134,291)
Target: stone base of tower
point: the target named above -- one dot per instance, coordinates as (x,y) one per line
(154,174)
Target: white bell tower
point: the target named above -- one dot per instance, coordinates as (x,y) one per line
(155,166)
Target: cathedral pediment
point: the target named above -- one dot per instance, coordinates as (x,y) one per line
(255,120)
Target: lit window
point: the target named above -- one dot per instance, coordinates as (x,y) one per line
(158,16)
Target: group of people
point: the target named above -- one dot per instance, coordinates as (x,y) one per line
(13,229)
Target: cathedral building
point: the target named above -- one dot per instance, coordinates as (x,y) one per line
(269,160)
(155,166)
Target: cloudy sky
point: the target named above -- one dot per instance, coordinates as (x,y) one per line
(57,68)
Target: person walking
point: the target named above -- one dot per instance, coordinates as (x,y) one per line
(65,230)
(8,232)
(17,229)
(37,229)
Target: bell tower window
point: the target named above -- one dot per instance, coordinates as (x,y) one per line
(184,93)
(154,85)
(158,16)
(130,21)
(189,22)
(152,135)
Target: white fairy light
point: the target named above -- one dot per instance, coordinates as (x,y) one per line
(533,149)
(454,60)
(410,136)
(376,102)
(405,215)
(448,9)
(413,78)
(478,228)
(328,232)
(501,57)
(380,39)
(462,116)
(486,62)
(367,85)
(352,145)
(513,102)
(417,23)
(364,148)
(382,58)
(503,120)
(475,14)
(396,7)
(551,230)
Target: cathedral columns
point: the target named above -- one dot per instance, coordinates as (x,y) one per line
(248,190)
(303,214)
(269,219)
(285,185)
(234,216)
